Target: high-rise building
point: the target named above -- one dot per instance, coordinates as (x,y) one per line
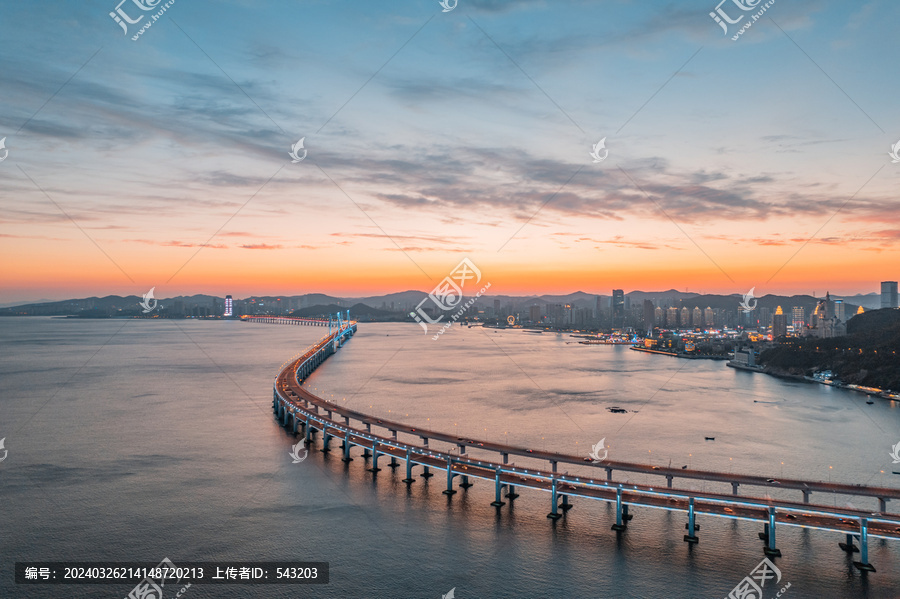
(889,294)
(228,306)
(649,316)
(618,307)
(672,318)
(709,317)
(839,312)
(535,313)
(798,317)
(496,308)
(779,324)
(697,317)
(685,317)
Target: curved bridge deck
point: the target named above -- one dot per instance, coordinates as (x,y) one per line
(298,408)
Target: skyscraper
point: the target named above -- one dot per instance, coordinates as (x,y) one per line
(889,294)
(798,317)
(228,306)
(779,324)
(618,307)
(839,310)
(649,316)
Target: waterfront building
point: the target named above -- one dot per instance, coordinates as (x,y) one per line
(229,306)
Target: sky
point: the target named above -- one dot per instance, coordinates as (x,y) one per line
(432,136)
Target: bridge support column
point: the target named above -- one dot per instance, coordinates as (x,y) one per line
(465,484)
(553,515)
(734,488)
(506,459)
(496,502)
(691,536)
(325,439)
(566,506)
(863,563)
(366,449)
(806,495)
(449,490)
(669,481)
(284,416)
(409,465)
(308,431)
(609,474)
(619,526)
(511,492)
(296,423)
(426,473)
(374,467)
(347,457)
(770,549)
(882,504)
(394,463)
(849,547)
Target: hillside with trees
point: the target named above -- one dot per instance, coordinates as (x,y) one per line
(868,355)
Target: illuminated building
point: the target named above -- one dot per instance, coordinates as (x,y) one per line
(779,324)
(228,306)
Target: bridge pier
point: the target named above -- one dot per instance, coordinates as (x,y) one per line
(669,478)
(553,515)
(325,439)
(511,492)
(609,472)
(566,506)
(849,547)
(284,416)
(691,536)
(770,550)
(882,504)
(496,502)
(619,526)
(505,458)
(426,473)
(347,457)
(465,484)
(366,449)
(863,563)
(806,495)
(308,430)
(734,488)
(449,490)
(374,467)
(296,423)
(409,466)
(394,463)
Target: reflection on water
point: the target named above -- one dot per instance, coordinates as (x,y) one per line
(158,441)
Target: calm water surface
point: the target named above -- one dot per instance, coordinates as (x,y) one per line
(138,440)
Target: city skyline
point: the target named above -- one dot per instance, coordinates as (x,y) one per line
(165,161)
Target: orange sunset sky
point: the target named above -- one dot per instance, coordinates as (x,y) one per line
(163,162)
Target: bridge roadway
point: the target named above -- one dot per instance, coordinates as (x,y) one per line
(297,407)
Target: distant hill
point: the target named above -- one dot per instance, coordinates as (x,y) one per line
(357,312)
(868,355)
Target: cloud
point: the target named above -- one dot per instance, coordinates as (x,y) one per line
(260,246)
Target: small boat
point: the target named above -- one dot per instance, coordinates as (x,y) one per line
(684,467)
(710,438)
